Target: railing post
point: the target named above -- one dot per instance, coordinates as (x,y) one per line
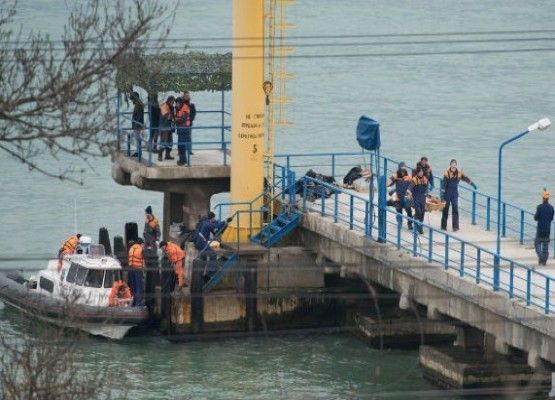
(473,207)
(149,161)
(461,267)
(430,244)
(367,219)
(323,199)
(335,205)
(547,280)
(478,264)
(333,166)
(223,120)
(250,219)
(528,286)
(288,162)
(446,260)
(305,193)
(224,146)
(521,239)
(382,209)
(292,195)
(351,211)
(488,213)
(511,279)
(283,183)
(414,239)
(504,221)
(399,226)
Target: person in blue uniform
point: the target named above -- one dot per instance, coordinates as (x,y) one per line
(450,193)
(544,216)
(427,170)
(418,188)
(402,180)
(206,229)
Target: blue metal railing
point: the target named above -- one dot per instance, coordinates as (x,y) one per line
(481,208)
(436,246)
(135,145)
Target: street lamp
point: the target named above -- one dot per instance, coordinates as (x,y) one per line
(541,125)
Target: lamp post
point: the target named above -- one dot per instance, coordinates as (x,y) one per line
(541,125)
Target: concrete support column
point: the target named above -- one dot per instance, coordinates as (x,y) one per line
(469,337)
(251,279)
(196,202)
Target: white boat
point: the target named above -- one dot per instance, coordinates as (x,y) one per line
(78,296)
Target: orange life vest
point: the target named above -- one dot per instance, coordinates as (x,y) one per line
(153,222)
(184,114)
(113,298)
(135,256)
(70,245)
(174,253)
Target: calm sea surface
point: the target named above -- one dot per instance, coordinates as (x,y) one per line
(444,106)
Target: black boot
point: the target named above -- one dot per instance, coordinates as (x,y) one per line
(168,157)
(160,152)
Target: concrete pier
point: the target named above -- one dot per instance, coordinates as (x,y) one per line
(191,187)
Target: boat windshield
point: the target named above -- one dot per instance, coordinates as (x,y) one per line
(110,276)
(94,278)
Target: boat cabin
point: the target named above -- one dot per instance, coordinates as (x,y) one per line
(85,278)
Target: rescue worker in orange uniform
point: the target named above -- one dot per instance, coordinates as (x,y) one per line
(120,295)
(166,127)
(183,125)
(151,232)
(136,263)
(69,247)
(176,256)
(402,181)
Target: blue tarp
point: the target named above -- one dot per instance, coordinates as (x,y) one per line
(368,133)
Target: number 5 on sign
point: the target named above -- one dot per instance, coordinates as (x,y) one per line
(254,149)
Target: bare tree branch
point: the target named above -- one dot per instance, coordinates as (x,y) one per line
(61,102)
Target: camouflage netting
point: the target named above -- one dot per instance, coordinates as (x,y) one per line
(194,71)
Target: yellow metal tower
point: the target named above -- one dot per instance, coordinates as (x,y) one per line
(259,31)
(247,121)
(276,52)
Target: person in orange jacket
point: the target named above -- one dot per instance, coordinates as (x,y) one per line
(176,256)
(69,247)
(136,263)
(120,295)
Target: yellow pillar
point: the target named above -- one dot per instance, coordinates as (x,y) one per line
(247,124)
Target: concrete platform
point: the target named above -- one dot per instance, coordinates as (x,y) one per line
(403,332)
(456,368)
(205,164)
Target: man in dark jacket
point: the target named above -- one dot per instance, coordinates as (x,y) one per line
(450,193)
(138,119)
(418,188)
(192,115)
(207,228)
(426,169)
(154,112)
(544,216)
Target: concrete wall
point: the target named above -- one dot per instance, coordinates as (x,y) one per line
(510,322)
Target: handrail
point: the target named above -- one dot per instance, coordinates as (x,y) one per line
(479,206)
(471,259)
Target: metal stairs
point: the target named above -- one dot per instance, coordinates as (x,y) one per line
(272,233)
(228,262)
(277,229)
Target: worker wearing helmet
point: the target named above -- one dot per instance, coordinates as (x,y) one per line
(69,247)
(450,193)
(544,216)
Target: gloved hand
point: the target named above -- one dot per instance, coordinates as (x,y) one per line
(229,220)
(474,186)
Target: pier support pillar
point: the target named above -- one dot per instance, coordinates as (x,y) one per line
(197,299)
(251,279)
